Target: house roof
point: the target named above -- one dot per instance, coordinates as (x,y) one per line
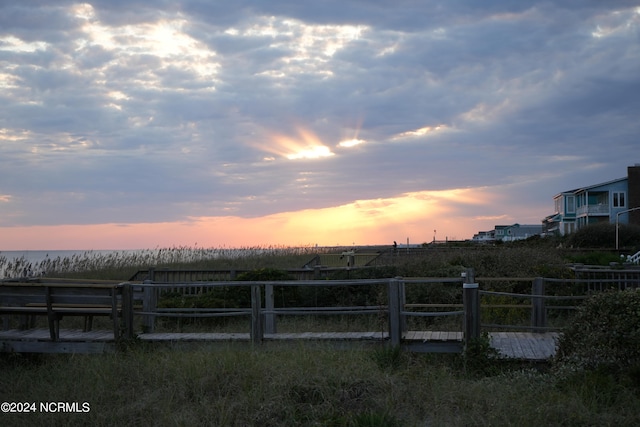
(552,218)
(577,190)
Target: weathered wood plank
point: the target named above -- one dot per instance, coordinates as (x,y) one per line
(524,345)
(517,345)
(55,347)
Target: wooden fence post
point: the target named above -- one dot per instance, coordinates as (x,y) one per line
(538,310)
(256,315)
(471,302)
(127,310)
(269,318)
(403,301)
(149,305)
(395,324)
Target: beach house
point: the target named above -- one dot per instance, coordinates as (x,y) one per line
(610,201)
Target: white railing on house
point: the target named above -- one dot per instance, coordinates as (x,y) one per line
(598,209)
(635,259)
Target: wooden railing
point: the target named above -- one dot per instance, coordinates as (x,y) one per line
(394,307)
(557,295)
(263,319)
(166,275)
(140,300)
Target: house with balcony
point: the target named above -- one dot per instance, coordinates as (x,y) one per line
(508,233)
(484,236)
(606,202)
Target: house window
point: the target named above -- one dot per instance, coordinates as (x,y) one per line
(571,204)
(619,199)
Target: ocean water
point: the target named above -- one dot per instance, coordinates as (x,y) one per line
(38,256)
(30,263)
(40,263)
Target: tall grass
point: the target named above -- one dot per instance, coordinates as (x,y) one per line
(311,385)
(300,385)
(120,265)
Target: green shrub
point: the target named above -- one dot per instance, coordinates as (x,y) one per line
(267,274)
(600,235)
(502,310)
(479,356)
(388,357)
(603,335)
(596,258)
(603,235)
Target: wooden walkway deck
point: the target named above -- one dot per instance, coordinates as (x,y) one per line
(525,345)
(511,345)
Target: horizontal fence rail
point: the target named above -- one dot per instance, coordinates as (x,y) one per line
(475,299)
(393,308)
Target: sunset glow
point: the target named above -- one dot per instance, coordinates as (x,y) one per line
(304,145)
(363,222)
(144,124)
(350,143)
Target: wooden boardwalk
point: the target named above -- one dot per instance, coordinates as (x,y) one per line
(525,345)
(71,341)
(510,345)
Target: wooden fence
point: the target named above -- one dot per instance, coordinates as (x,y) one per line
(167,275)
(263,320)
(546,294)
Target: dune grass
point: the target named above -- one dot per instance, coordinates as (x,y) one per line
(291,385)
(120,265)
(314,384)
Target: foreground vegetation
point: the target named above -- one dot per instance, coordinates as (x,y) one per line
(308,385)
(120,265)
(594,381)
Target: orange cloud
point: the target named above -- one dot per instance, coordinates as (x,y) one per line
(376,221)
(305,145)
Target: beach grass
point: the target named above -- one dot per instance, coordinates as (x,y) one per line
(278,384)
(291,385)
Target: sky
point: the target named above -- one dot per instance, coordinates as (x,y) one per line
(141,124)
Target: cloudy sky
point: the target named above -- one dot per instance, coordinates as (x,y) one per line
(137,124)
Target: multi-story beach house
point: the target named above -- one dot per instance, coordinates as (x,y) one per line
(508,233)
(609,201)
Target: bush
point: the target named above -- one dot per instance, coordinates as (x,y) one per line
(603,336)
(479,356)
(596,258)
(603,235)
(266,274)
(600,235)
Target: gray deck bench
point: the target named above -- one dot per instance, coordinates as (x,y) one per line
(58,300)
